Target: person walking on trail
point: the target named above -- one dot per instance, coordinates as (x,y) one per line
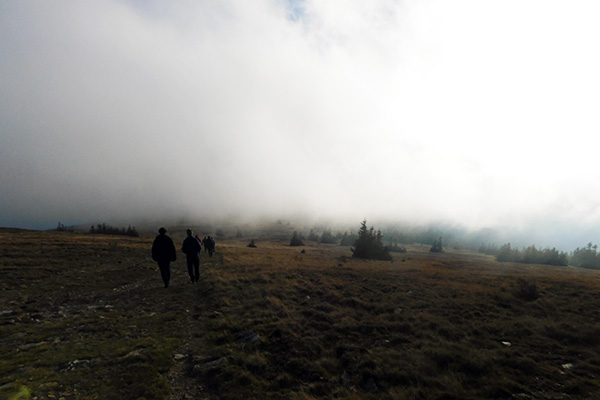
(192,248)
(210,245)
(163,252)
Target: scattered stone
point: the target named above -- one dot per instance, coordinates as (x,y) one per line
(199,368)
(31,345)
(567,366)
(76,365)
(507,344)
(133,354)
(248,337)
(178,357)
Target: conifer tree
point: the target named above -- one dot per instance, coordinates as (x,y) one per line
(369,245)
(296,240)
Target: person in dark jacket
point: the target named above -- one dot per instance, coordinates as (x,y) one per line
(163,252)
(191,248)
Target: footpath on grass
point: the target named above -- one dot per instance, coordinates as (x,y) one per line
(86,317)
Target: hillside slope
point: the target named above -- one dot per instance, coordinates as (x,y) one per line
(84,317)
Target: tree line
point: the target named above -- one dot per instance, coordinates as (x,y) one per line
(105,229)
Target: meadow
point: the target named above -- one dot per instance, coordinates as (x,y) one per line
(86,317)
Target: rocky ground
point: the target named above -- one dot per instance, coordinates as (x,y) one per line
(87,317)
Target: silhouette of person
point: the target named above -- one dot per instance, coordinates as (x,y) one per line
(163,252)
(209,245)
(205,244)
(192,248)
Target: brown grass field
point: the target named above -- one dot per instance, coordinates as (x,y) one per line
(86,317)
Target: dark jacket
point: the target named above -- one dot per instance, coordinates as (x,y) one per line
(163,249)
(191,247)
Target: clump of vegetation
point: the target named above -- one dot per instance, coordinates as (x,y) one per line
(490,249)
(348,239)
(111,230)
(252,244)
(296,239)
(526,289)
(312,236)
(436,246)
(62,228)
(369,245)
(531,255)
(328,237)
(587,257)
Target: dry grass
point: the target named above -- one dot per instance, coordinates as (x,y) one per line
(287,324)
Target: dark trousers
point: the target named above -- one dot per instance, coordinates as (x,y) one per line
(193,265)
(165,271)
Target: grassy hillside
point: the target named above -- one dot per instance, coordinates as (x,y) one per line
(84,317)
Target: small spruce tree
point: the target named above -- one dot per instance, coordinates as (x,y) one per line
(296,240)
(368,244)
(436,247)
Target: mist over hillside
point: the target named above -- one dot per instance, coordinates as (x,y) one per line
(472,115)
(544,235)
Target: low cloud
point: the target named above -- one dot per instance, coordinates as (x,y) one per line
(480,114)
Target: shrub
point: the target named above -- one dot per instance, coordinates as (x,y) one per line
(296,240)
(327,237)
(436,246)
(526,289)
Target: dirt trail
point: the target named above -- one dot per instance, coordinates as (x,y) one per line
(183,385)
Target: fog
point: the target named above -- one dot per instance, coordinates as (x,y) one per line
(479,114)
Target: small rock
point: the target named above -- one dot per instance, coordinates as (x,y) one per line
(133,354)
(248,337)
(199,368)
(507,344)
(178,357)
(31,346)
(567,366)
(76,365)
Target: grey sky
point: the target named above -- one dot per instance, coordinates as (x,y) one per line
(478,113)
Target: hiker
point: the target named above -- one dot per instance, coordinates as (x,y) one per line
(163,252)
(192,248)
(210,245)
(205,244)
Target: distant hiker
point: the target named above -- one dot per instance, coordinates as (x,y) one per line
(163,252)
(210,245)
(205,244)
(192,248)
